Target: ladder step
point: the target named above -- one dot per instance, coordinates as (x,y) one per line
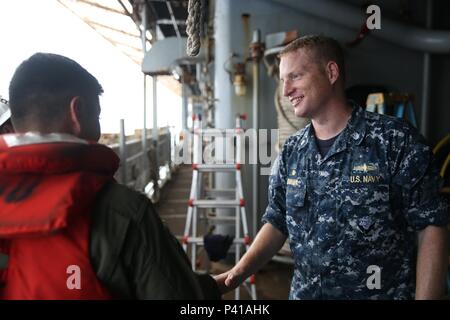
(199,240)
(215,218)
(216,203)
(215,193)
(215,167)
(216,132)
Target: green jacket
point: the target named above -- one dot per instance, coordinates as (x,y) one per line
(134,254)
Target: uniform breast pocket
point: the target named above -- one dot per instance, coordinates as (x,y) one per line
(366,209)
(296,206)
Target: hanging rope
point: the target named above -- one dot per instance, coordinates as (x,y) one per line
(193,27)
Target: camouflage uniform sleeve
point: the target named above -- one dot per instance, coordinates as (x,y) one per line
(276,209)
(420,184)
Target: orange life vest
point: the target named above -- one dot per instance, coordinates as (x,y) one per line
(48,186)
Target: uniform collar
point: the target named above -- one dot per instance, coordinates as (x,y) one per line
(356,127)
(13,140)
(353,134)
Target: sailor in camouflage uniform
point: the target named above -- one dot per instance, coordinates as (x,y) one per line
(358,206)
(353,212)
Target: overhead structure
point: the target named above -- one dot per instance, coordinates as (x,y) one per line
(121,23)
(111,19)
(162,58)
(341,13)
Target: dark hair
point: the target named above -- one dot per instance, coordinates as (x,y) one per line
(323,49)
(43,86)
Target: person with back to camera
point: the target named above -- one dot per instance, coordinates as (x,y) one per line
(67,229)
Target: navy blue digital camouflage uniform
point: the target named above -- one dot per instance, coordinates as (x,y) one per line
(359,206)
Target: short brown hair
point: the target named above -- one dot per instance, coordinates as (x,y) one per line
(323,49)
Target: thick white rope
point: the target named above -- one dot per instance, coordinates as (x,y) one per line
(193,27)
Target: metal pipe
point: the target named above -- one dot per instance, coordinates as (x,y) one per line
(144,28)
(408,36)
(184,110)
(155,130)
(226,104)
(155,138)
(255,68)
(198,72)
(144,128)
(123,152)
(426,76)
(155,110)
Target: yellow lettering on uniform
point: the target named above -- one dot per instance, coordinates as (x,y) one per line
(364,179)
(371,179)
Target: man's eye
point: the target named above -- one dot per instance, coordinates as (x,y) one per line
(295,77)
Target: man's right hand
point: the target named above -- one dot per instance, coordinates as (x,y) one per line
(267,242)
(228,281)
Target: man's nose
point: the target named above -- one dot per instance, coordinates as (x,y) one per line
(287,88)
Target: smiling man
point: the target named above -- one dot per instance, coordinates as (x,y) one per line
(355,192)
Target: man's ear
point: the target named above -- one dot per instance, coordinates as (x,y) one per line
(75,115)
(332,70)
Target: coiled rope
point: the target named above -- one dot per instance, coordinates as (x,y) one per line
(193,27)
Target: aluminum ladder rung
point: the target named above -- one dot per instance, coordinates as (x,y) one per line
(215,167)
(216,132)
(216,218)
(199,240)
(214,193)
(216,203)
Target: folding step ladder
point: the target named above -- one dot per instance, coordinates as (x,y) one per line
(236,201)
